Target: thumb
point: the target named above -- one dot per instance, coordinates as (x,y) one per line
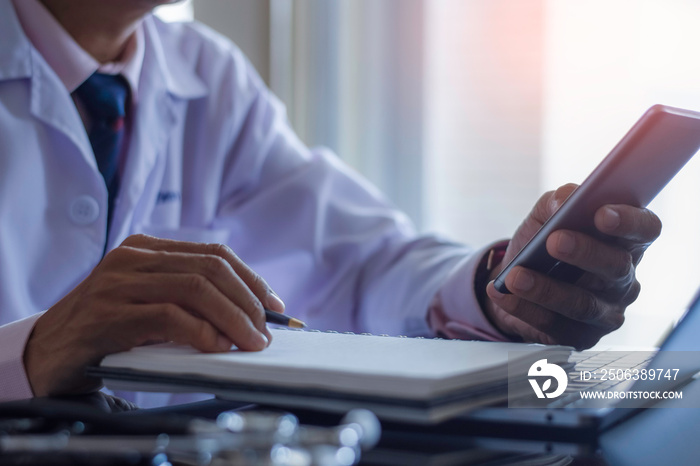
(559,196)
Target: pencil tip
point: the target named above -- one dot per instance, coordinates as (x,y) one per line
(296,323)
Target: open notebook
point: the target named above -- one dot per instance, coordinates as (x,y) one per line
(399,378)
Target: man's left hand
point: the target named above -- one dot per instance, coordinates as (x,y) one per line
(542,309)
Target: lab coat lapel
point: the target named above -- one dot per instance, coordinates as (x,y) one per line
(154,120)
(50,102)
(163,99)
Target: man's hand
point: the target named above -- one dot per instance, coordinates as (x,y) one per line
(541,309)
(149,290)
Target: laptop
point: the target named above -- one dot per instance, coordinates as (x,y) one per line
(674,368)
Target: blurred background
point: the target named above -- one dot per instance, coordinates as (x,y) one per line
(465,111)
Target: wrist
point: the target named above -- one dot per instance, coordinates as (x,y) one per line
(37,360)
(14,383)
(489,267)
(54,362)
(33,366)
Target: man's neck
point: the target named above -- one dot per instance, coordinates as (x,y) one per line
(102,28)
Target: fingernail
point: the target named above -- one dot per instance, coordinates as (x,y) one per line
(611,219)
(494,293)
(566,243)
(223,343)
(263,340)
(268,335)
(553,205)
(274,303)
(523,281)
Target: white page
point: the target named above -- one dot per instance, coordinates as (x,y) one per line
(364,364)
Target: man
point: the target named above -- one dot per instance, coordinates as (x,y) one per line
(114,125)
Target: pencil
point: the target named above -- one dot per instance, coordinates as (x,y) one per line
(273,317)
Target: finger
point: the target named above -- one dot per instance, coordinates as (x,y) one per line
(565,299)
(554,200)
(169,322)
(543,320)
(536,324)
(196,294)
(561,194)
(212,267)
(218,263)
(544,208)
(591,255)
(255,282)
(513,327)
(612,292)
(633,224)
(550,201)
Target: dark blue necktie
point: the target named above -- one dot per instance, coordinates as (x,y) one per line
(104,97)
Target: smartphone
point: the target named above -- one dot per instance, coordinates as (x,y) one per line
(636,170)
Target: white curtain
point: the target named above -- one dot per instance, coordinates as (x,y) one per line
(483,115)
(350,72)
(414,95)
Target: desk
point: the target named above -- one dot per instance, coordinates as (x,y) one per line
(447,444)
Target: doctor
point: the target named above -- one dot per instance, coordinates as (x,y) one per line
(149,181)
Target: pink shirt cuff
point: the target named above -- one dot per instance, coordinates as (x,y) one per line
(455,311)
(14,384)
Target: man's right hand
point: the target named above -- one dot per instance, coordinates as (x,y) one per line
(149,290)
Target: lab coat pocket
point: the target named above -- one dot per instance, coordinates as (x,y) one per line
(195,235)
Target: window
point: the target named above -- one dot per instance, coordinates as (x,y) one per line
(525,96)
(606,63)
(181,11)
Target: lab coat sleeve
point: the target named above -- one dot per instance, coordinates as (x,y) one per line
(336,251)
(14,384)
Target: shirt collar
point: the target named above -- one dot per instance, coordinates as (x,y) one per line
(72,63)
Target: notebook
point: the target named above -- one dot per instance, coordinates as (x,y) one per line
(424,380)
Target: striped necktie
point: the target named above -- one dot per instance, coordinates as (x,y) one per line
(104,97)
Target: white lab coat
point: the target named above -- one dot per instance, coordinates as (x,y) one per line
(211,159)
